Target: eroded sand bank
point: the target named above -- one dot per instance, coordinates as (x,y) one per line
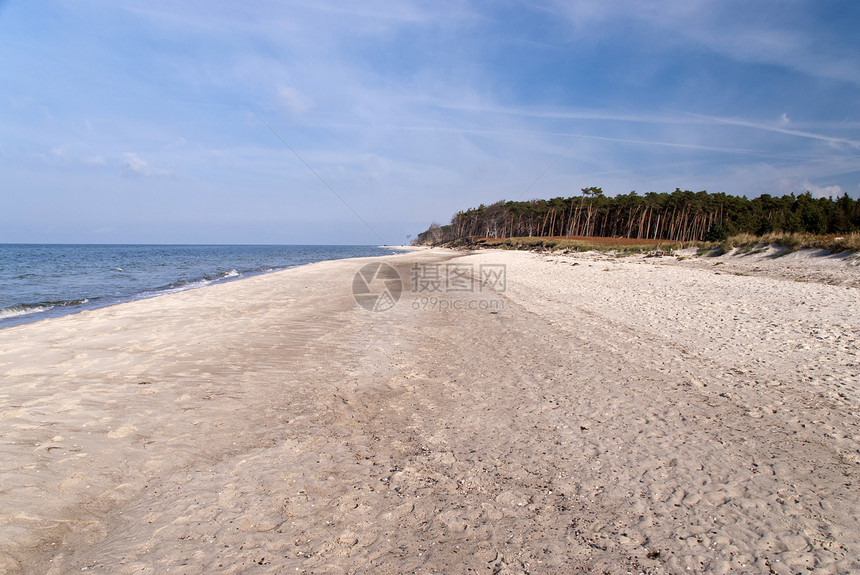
(597,415)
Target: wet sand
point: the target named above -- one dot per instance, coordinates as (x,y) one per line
(598,414)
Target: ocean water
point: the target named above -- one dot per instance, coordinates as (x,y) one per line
(38,281)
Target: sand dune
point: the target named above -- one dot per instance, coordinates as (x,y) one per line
(599,414)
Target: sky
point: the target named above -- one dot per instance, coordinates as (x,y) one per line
(323,122)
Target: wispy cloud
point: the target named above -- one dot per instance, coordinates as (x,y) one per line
(790,36)
(134,165)
(94,160)
(779,129)
(413,110)
(59,154)
(821,191)
(291,100)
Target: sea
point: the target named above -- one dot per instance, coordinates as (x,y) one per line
(39,281)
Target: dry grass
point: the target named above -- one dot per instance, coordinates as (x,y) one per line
(835,243)
(744,242)
(580,243)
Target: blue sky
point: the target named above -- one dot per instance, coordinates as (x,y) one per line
(335,122)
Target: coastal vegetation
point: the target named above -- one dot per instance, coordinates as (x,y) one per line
(745,243)
(656,220)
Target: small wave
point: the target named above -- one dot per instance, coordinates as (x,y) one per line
(192,284)
(179,286)
(116,269)
(19,310)
(65,303)
(31,308)
(184,285)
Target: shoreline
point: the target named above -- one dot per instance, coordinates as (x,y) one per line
(66,378)
(614,415)
(35,310)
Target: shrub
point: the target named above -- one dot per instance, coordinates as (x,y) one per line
(717,233)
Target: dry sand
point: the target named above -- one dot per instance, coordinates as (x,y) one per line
(617,415)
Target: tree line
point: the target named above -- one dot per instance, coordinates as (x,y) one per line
(679,216)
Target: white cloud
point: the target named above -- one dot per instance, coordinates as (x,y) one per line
(404,109)
(94,160)
(785,186)
(821,191)
(399,12)
(771,128)
(291,100)
(738,30)
(134,165)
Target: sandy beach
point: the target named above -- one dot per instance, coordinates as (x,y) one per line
(588,414)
